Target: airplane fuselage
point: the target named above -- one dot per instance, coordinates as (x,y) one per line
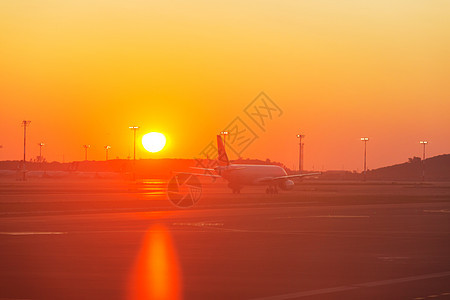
(240,174)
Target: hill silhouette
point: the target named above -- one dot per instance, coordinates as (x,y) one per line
(436,168)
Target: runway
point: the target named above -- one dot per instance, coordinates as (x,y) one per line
(324,240)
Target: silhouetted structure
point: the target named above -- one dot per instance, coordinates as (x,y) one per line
(424,143)
(134,128)
(365,139)
(300,153)
(40,151)
(107,147)
(438,168)
(24,124)
(86,147)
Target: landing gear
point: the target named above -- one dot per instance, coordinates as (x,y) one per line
(271,190)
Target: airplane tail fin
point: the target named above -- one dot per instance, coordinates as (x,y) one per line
(222,158)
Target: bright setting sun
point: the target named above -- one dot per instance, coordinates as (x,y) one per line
(154,141)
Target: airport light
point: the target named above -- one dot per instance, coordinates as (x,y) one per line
(424,143)
(300,153)
(365,139)
(24,125)
(107,147)
(40,150)
(134,128)
(86,147)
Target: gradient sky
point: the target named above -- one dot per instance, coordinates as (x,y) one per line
(83,71)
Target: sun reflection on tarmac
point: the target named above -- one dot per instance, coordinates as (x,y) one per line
(151,187)
(156,273)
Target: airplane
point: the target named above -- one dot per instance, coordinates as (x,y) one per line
(240,175)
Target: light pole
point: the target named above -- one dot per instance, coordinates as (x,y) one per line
(107,147)
(424,143)
(300,153)
(224,134)
(134,128)
(86,147)
(365,139)
(40,151)
(24,124)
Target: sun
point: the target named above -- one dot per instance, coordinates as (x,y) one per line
(154,141)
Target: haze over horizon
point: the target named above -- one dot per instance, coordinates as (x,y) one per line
(84,71)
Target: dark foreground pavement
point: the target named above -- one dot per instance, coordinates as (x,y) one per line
(320,241)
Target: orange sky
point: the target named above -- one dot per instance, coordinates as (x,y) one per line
(83,71)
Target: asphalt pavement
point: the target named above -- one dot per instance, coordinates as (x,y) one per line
(324,240)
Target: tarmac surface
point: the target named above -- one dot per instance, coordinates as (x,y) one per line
(100,239)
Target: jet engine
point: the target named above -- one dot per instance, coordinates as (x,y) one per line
(286,185)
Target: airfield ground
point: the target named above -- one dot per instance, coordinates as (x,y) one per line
(96,239)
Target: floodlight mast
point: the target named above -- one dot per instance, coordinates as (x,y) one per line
(134,128)
(107,147)
(24,125)
(424,143)
(40,151)
(86,147)
(300,153)
(365,139)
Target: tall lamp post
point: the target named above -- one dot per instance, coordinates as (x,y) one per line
(86,147)
(40,151)
(134,128)
(24,125)
(107,147)
(300,152)
(424,143)
(365,139)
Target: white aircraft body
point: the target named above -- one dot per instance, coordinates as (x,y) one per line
(240,175)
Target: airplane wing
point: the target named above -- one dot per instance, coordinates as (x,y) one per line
(281,178)
(203,169)
(199,174)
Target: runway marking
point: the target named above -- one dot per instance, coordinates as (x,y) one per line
(199,224)
(205,230)
(34,233)
(84,211)
(445,211)
(251,205)
(392,258)
(322,216)
(432,296)
(355,286)
(337,216)
(146,209)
